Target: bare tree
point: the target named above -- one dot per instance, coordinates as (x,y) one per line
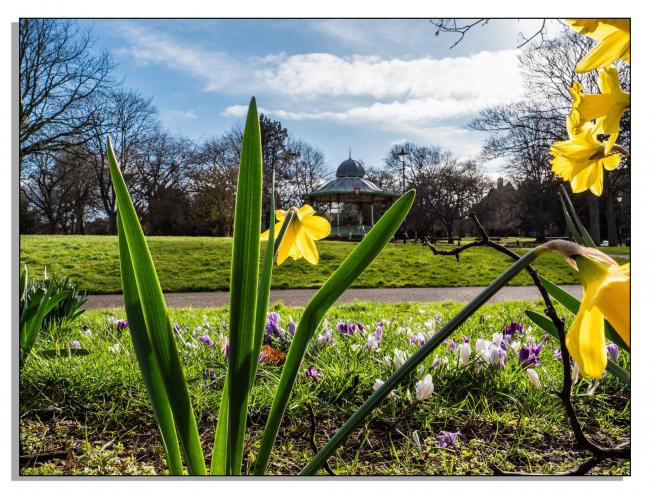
(58,76)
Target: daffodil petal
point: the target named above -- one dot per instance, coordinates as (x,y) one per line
(278,227)
(613,299)
(306,246)
(614,45)
(586,340)
(611,162)
(316,227)
(279,215)
(287,243)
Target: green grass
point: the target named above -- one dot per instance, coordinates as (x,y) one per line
(186,264)
(96,404)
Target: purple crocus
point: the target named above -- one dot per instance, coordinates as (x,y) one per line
(360,327)
(465,339)
(209,374)
(345,328)
(314,374)
(75,345)
(613,352)
(206,340)
(273,324)
(447,439)
(452,345)
(227,351)
(547,338)
(122,324)
(85,328)
(529,354)
(417,339)
(557,354)
(263,358)
(291,327)
(379,332)
(513,327)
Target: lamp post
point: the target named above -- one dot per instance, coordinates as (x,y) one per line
(402,158)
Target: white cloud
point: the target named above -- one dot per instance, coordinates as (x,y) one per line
(179,115)
(314,75)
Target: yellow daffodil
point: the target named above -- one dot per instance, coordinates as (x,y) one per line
(606,295)
(581,159)
(613,41)
(607,107)
(298,240)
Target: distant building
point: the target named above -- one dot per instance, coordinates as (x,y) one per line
(498,211)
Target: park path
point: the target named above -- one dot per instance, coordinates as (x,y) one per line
(300,297)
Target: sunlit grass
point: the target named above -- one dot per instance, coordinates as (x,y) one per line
(202,264)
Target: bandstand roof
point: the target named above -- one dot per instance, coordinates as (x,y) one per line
(350,186)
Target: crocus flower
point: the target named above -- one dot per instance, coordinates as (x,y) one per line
(298,240)
(613,41)
(345,328)
(291,327)
(122,324)
(387,361)
(513,328)
(465,352)
(447,439)
(534,377)
(481,345)
(379,332)
(272,327)
(497,357)
(399,358)
(529,354)
(424,388)
(226,351)
(85,328)
(206,340)
(263,358)
(607,107)
(613,352)
(437,363)
(314,373)
(325,339)
(557,354)
(372,343)
(209,374)
(606,295)
(417,340)
(75,345)
(378,384)
(465,339)
(582,158)
(430,324)
(360,327)
(452,345)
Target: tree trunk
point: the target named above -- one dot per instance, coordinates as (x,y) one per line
(610,212)
(594,218)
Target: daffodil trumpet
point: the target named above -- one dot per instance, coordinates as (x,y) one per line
(606,295)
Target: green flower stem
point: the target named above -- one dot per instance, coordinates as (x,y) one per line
(416,359)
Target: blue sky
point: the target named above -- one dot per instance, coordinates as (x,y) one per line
(364,84)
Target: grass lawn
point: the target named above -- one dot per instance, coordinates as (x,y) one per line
(96,405)
(187,264)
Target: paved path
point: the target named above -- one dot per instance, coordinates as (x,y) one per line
(300,297)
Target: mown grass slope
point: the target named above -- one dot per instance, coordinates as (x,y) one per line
(186,264)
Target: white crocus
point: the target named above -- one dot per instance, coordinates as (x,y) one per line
(424,388)
(437,363)
(534,377)
(465,352)
(387,361)
(497,338)
(399,358)
(430,324)
(481,345)
(515,346)
(495,356)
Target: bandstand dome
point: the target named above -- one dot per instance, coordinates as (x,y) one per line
(351,187)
